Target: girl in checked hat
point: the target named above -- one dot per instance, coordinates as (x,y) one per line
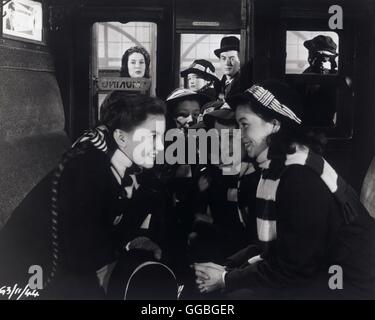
(316,240)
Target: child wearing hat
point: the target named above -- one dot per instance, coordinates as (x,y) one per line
(183,110)
(183,107)
(223,224)
(200,77)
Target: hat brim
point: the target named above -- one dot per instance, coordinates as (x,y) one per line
(201,98)
(208,122)
(224,49)
(202,74)
(246,98)
(309,45)
(242,98)
(226,115)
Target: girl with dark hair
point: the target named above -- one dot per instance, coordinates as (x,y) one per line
(135,63)
(101,211)
(316,240)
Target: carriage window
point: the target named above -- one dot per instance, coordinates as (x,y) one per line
(200,46)
(312,52)
(114,39)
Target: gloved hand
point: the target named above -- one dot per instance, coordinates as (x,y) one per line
(144,243)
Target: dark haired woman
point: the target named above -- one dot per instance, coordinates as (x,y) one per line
(316,239)
(135,63)
(104,208)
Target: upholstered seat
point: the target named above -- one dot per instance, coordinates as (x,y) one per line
(32,136)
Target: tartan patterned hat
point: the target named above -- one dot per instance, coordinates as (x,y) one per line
(273,98)
(181,94)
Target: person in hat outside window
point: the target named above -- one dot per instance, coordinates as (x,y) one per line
(200,77)
(228,53)
(309,220)
(322,55)
(319,99)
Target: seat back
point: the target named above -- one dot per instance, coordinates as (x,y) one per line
(32,136)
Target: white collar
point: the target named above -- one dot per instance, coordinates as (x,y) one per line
(120,162)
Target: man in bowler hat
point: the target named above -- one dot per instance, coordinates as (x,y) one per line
(228,53)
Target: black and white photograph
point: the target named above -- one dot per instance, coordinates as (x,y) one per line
(23,19)
(193,152)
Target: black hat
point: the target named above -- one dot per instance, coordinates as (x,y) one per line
(203,68)
(322,44)
(214,110)
(227,44)
(182,94)
(273,98)
(225,115)
(209,107)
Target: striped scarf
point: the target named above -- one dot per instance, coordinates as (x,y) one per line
(95,136)
(272,171)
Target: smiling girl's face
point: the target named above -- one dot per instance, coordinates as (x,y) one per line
(254,130)
(142,144)
(136,65)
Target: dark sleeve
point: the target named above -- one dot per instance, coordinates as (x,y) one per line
(242,256)
(86,240)
(303,204)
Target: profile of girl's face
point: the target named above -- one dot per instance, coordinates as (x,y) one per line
(136,65)
(142,144)
(194,82)
(254,130)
